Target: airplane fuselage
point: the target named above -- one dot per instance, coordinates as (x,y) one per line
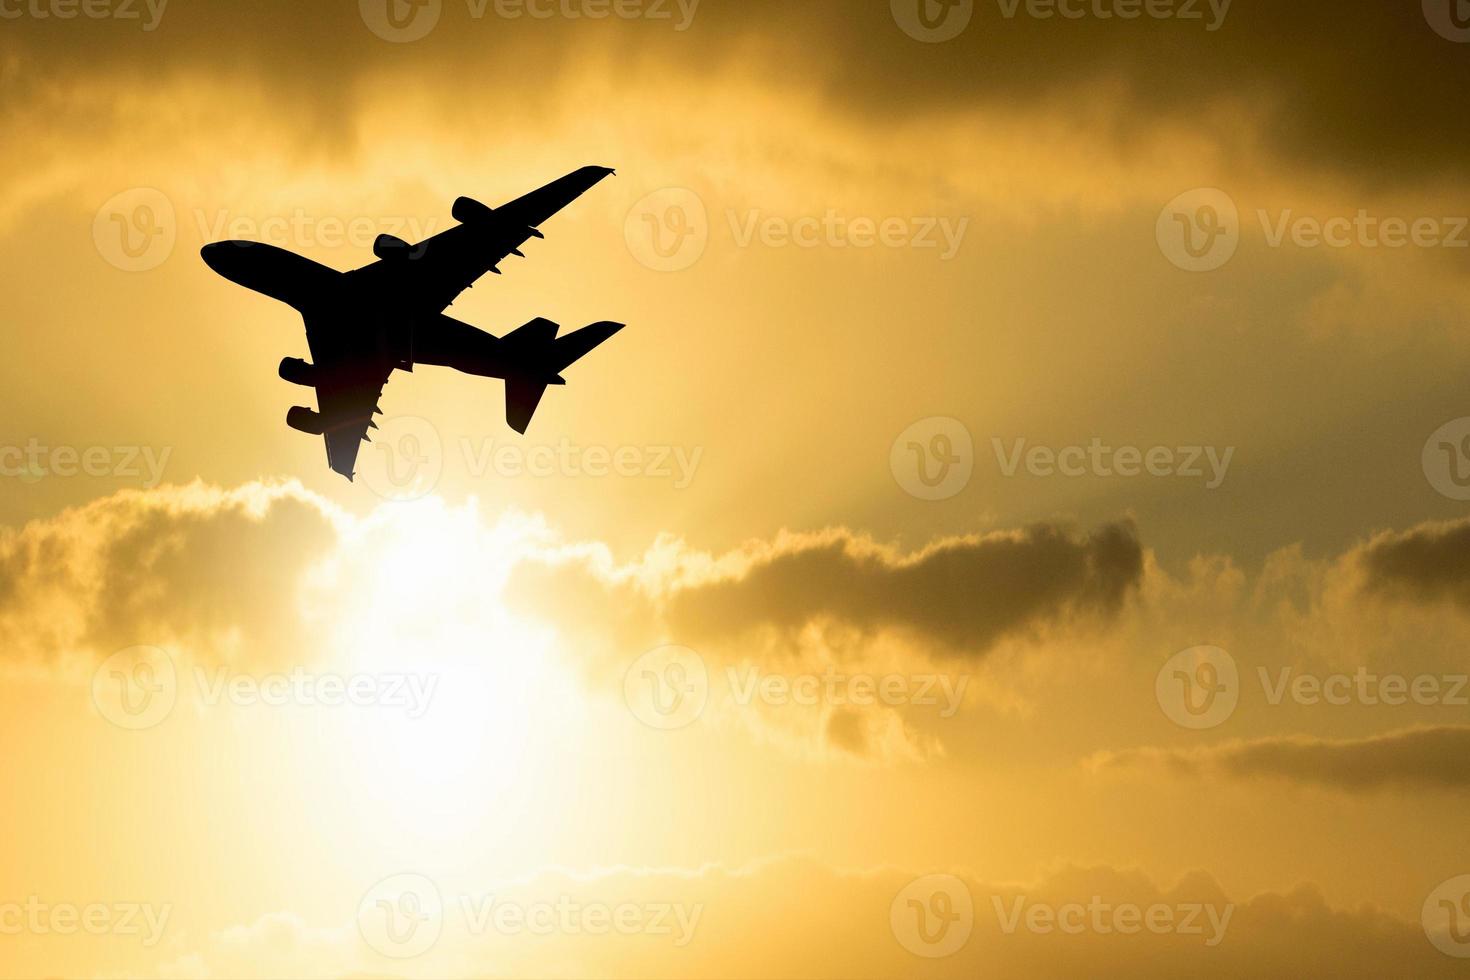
(404,328)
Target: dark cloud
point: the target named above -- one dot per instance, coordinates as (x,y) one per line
(1429,563)
(1363,87)
(962,595)
(217,573)
(958,596)
(1417,758)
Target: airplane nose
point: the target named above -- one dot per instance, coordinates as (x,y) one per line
(213,256)
(226,258)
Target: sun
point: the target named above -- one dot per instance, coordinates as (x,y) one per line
(472,702)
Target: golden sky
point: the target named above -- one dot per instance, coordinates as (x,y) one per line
(1021,531)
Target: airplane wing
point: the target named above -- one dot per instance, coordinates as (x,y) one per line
(438,269)
(353,375)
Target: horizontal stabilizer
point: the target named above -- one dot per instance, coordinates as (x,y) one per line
(543,359)
(573,347)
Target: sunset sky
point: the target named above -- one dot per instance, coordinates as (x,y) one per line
(1021,531)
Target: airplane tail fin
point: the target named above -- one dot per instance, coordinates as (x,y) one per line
(543,356)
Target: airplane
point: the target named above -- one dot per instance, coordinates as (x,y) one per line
(363,325)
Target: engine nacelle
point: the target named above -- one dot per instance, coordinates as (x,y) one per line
(467,211)
(298,372)
(391,247)
(305,420)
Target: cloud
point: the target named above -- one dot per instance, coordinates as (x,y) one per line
(798,918)
(957,596)
(217,572)
(1428,563)
(830,604)
(1251,81)
(1414,759)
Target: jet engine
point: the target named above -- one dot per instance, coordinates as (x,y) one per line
(305,420)
(467,211)
(298,372)
(391,247)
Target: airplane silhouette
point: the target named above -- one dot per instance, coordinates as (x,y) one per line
(363,325)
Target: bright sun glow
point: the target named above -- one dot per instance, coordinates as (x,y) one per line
(482,698)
